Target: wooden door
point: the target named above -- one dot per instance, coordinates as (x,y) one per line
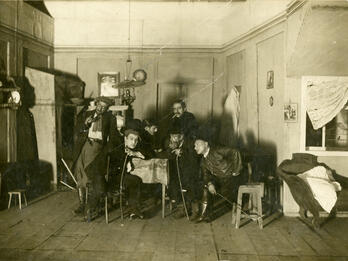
(270,58)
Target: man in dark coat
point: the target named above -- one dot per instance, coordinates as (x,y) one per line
(184,171)
(89,156)
(184,119)
(121,166)
(221,167)
(150,136)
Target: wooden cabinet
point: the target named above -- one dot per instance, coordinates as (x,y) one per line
(26,39)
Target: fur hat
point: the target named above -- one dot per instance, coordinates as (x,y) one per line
(133,126)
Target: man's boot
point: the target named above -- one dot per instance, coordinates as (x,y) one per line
(204,213)
(195,211)
(82,202)
(179,212)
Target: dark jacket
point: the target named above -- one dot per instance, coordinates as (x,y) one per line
(98,166)
(221,162)
(188,164)
(187,123)
(81,135)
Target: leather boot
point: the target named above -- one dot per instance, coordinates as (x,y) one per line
(195,211)
(204,213)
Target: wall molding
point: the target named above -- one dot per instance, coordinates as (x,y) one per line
(12,31)
(281,17)
(147,49)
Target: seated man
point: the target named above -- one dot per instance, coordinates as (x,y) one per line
(220,166)
(93,130)
(184,179)
(121,166)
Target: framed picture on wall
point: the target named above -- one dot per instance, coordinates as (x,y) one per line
(270,80)
(290,112)
(107,83)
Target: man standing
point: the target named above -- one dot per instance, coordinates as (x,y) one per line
(184,119)
(221,167)
(89,156)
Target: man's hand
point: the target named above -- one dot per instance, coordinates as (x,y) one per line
(211,189)
(89,120)
(177,152)
(137,154)
(129,167)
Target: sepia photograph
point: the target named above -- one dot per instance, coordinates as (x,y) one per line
(173,130)
(290,112)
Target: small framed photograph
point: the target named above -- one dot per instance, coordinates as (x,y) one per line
(290,112)
(108,82)
(270,80)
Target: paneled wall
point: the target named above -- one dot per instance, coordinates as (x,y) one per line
(171,75)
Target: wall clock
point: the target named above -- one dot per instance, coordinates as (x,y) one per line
(140,75)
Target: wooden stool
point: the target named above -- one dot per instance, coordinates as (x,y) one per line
(256,193)
(19,193)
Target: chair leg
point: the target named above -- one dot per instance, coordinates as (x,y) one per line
(25,199)
(106,210)
(233,213)
(255,197)
(259,208)
(20,200)
(9,201)
(239,208)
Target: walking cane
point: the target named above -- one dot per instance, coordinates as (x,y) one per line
(121,185)
(182,192)
(69,171)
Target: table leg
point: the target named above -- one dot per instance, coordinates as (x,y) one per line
(163,199)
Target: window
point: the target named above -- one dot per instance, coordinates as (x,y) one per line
(325,99)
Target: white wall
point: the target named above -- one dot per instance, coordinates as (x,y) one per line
(183,24)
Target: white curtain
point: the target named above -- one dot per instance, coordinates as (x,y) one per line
(230,119)
(325,100)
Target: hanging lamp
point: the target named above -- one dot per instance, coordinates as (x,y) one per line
(139,76)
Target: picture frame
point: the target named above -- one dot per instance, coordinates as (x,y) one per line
(290,112)
(107,84)
(270,80)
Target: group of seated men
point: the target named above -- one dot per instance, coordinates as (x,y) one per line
(106,147)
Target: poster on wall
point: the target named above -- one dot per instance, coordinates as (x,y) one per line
(108,82)
(290,112)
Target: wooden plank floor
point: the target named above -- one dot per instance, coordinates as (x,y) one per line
(48,230)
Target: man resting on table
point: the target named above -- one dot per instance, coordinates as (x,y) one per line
(121,162)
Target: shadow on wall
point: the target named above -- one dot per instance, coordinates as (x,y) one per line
(67,85)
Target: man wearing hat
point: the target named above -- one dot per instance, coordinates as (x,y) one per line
(221,167)
(184,179)
(150,136)
(121,166)
(94,128)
